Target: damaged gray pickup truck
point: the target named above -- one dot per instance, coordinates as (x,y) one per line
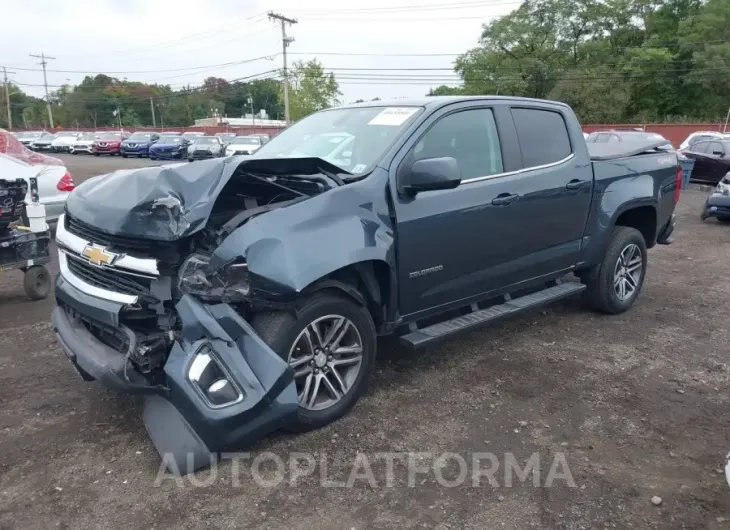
(244,295)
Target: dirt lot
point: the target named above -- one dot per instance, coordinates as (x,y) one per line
(638,404)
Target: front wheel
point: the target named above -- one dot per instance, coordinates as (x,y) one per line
(620,276)
(724,220)
(331,347)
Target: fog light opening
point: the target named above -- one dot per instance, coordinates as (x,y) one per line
(211,380)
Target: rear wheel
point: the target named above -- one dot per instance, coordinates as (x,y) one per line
(331,347)
(620,276)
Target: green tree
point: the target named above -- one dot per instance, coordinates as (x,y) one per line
(311,89)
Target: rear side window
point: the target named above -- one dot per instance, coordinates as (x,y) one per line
(543,136)
(715,147)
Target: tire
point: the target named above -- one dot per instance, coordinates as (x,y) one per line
(152,157)
(37,282)
(124,155)
(724,220)
(280,330)
(601,293)
(190,159)
(96,154)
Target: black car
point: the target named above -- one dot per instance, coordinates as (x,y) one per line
(712,160)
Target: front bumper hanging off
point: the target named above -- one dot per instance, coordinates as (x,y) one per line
(185,428)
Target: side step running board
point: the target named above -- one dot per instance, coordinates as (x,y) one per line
(428,335)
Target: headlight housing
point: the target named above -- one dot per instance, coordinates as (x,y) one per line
(229,284)
(723,187)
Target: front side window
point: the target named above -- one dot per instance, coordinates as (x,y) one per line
(468,136)
(543,136)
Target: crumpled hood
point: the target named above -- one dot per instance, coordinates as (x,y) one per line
(172,201)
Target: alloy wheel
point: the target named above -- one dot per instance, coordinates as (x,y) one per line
(326,357)
(628,271)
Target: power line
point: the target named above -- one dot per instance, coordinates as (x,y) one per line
(43,63)
(166,44)
(285,42)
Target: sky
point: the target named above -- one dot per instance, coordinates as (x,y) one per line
(378,48)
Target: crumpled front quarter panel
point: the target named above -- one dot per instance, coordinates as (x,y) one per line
(294,246)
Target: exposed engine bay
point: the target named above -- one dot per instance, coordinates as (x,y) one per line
(148,328)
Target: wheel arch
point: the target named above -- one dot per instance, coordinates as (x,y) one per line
(369,283)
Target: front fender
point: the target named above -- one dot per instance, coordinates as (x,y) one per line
(290,248)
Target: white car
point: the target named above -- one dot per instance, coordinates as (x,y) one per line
(28,137)
(700,136)
(83,143)
(243,145)
(54,183)
(64,140)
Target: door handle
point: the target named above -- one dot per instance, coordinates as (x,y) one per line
(575,184)
(505,198)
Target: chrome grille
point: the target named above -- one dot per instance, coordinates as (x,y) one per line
(111,279)
(115,243)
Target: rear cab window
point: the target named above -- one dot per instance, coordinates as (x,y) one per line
(543,136)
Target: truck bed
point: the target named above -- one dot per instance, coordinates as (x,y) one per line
(609,151)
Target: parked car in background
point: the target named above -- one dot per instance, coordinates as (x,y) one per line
(622,136)
(226,137)
(64,140)
(54,181)
(43,142)
(718,203)
(28,137)
(108,143)
(191,135)
(83,143)
(169,147)
(264,138)
(711,160)
(243,145)
(139,144)
(205,147)
(701,136)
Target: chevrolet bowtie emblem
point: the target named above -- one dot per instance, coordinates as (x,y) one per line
(99,255)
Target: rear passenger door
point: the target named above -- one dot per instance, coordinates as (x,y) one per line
(698,153)
(555,191)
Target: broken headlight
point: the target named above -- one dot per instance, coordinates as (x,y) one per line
(229,283)
(723,187)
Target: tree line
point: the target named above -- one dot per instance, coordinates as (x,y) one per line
(104,101)
(613,61)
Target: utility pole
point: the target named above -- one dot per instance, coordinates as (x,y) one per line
(285,42)
(727,118)
(253,118)
(7,97)
(154,121)
(43,63)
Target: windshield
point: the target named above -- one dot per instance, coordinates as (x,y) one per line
(246,141)
(169,140)
(205,141)
(66,134)
(110,136)
(367,131)
(86,136)
(140,137)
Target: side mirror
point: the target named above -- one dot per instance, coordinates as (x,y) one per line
(431,174)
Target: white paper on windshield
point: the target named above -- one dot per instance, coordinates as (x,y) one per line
(359,168)
(393,116)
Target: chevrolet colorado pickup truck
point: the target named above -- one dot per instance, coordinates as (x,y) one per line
(243,295)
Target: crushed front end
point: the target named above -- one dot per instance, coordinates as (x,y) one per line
(210,384)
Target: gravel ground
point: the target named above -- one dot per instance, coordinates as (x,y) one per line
(632,407)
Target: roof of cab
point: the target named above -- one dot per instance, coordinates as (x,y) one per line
(439,101)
